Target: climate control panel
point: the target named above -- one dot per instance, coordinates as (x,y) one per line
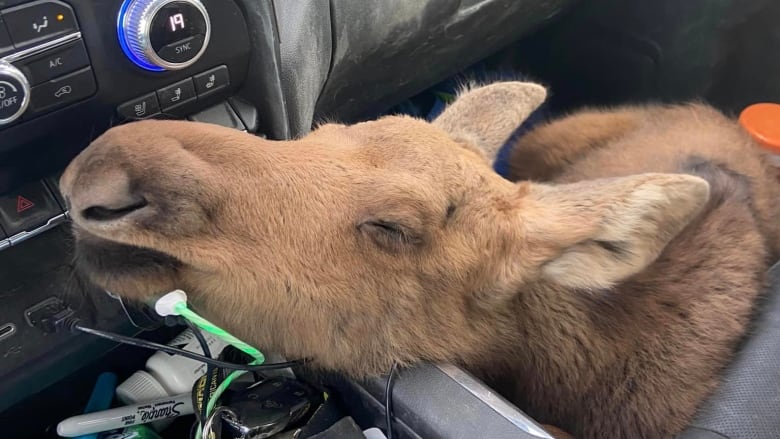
(70,69)
(47,66)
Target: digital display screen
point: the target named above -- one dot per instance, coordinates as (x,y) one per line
(175,22)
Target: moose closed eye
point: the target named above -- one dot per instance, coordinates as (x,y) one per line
(390,236)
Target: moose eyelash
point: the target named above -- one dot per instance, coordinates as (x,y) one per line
(389,228)
(389,234)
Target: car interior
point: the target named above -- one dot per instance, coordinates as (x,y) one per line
(71,69)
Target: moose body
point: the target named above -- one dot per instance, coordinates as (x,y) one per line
(602,292)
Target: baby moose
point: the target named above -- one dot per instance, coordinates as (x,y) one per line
(602,293)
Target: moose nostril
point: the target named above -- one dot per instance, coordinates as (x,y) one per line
(102,213)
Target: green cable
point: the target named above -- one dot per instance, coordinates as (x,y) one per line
(223,386)
(200,322)
(182,310)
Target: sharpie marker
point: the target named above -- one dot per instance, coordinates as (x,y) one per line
(165,408)
(101,398)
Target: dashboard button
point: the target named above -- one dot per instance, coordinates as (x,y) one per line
(63,91)
(56,63)
(14,93)
(183,50)
(5,39)
(141,107)
(37,21)
(176,94)
(211,81)
(27,208)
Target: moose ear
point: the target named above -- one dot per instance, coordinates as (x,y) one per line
(486,116)
(595,234)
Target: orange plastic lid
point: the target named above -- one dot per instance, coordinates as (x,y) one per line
(762,121)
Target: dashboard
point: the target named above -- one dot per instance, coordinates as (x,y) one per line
(71,69)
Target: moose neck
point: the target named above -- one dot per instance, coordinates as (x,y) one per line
(536,335)
(555,347)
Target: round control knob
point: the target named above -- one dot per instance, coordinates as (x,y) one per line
(162,35)
(14,93)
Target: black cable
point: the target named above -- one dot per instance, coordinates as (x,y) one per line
(389,402)
(204,346)
(127,312)
(194,429)
(117,338)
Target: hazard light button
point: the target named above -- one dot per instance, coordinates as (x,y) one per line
(27,208)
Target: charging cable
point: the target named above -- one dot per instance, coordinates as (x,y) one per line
(204,346)
(175,303)
(389,401)
(176,351)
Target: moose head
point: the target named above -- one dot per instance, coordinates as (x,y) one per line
(358,246)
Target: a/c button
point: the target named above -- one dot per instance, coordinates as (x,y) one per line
(56,63)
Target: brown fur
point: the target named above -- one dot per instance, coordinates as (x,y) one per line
(605,303)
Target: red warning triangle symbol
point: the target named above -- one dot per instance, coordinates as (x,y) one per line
(23,204)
